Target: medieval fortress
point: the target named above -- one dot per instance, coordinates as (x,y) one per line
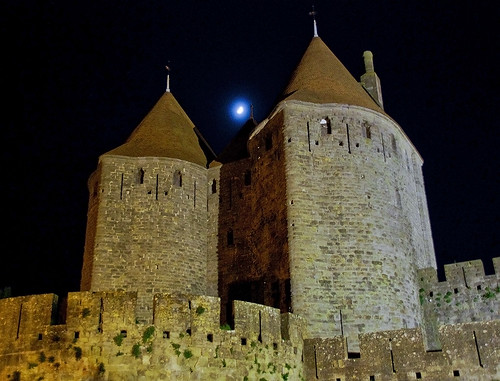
(302,252)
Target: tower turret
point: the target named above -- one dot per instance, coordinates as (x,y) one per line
(334,223)
(147,216)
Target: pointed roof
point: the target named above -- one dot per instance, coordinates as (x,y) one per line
(166,131)
(321,78)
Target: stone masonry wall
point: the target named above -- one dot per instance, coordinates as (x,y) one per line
(149,228)
(356,225)
(466,295)
(253,241)
(101,340)
(469,352)
(213,191)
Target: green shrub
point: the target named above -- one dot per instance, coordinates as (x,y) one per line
(148,334)
(101,368)
(118,339)
(200,310)
(136,350)
(85,312)
(78,353)
(225,327)
(188,353)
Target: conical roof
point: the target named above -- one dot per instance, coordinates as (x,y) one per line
(166,131)
(321,78)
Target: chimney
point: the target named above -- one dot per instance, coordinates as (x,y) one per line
(370,80)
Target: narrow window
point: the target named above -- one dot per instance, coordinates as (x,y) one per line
(456,373)
(123,333)
(269,142)
(348,138)
(308,137)
(368,132)
(214,186)
(166,334)
(243,341)
(326,126)
(248,177)
(121,188)
(398,198)
(393,143)
(141,176)
(194,194)
(177,181)
(156,190)
(210,337)
(418,375)
(230,237)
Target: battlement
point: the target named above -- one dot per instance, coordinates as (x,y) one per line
(467,295)
(186,342)
(469,352)
(101,332)
(465,274)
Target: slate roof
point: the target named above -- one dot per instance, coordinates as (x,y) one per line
(166,131)
(321,78)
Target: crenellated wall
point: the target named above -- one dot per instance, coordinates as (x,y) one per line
(185,342)
(469,352)
(466,295)
(101,339)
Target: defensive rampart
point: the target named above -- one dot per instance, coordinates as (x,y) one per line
(466,295)
(469,352)
(101,340)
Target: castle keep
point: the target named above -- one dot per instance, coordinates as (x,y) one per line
(303,251)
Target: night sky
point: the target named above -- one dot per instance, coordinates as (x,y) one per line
(78,76)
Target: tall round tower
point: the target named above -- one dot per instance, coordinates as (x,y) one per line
(147,216)
(358,226)
(335,221)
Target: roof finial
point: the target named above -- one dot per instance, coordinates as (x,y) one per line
(313,14)
(168,79)
(251,111)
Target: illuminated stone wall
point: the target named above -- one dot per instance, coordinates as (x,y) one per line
(469,352)
(357,219)
(101,340)
(148,223)
(466,295)
(253,249)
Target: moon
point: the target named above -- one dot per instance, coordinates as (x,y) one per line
(240,110)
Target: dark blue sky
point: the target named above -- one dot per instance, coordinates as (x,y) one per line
(78,76)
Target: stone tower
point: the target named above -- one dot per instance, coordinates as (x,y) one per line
(324,212)
(147,217)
